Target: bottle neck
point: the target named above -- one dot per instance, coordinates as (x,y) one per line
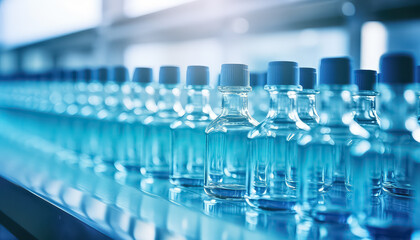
(169,99)
(365,108)
(283,102)
(235,100)
(143,98)
(198,100)
(336,105)
(398,107)
(306,106)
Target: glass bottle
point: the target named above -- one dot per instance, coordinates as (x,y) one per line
(324,150)
(188,132)
(112,118)
(226,137)
(306,99)
(142,98)
(399,153)
(156,131)
(399,120)
(93,115)
(364,109)
(59,106)
(84,77)
(259,98)
(272,144)
(69,97)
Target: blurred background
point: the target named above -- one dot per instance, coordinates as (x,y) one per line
(38,35)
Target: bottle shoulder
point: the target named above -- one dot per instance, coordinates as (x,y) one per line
(162,117)
(366,147)
(191,122)
(224,123)
(330,135)
(273,128)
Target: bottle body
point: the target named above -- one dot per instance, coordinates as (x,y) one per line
(130,125)
(189,139)
(363,154)
(111,125)
(272,172)
(323,154)
(399,121)
(226,146)
(156,133)
(92,123)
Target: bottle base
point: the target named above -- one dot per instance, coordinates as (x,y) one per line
(226,191)
(161,174)
(321,214)
(286,204)
(389,232)
(104,167)
(126,167)
(187,182)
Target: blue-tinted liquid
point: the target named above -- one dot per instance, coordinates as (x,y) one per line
(317,160)
(267,176)
(368,178)
(399,163)
(227,155)
(108,133)
(156,150)
(189,152)
(90,139)
(127,153)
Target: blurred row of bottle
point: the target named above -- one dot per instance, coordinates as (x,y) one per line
(318,147)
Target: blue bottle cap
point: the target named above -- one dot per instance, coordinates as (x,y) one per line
(169,75)
(258,79)
(197,75)
(71,75)
(46,76)
(85,75)
(59,74)
(335,71)
(307,78)
(418,74)
(118,74)
(143,75)
(282,73)
(397,68)
(100,74)
(365,79)
(234,75)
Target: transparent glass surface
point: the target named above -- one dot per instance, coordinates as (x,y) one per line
(272,173)
(259,103)
(112,126)
(156,133)
(226,146)
(399,120)
(322,155)
(189,139)
(306,107)
(366,156)
(140,104)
